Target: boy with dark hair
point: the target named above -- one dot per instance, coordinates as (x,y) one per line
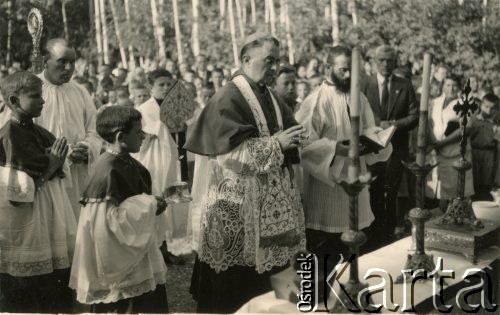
(118,265)
(37,222)
(485,133)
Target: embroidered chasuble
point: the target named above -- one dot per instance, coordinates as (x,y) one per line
(250,209)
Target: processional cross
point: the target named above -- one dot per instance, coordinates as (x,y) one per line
(464,109)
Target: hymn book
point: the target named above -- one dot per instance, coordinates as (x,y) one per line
(375,141)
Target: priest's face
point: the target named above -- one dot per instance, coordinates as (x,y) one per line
(60,66)
(341,73)
(261,63)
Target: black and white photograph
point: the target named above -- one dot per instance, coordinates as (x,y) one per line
(249,156)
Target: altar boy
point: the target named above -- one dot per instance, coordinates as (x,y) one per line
(159,150)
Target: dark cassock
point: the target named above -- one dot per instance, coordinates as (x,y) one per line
(252,219)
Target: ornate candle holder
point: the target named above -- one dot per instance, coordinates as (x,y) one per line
(418,216)
(458,230)
(353,238)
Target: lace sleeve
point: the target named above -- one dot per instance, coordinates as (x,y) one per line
(254,156)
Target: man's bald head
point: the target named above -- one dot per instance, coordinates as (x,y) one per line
(59,61)
(56,46)
(385,59)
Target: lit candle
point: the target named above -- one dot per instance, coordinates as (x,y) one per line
(424,102)
(353,169)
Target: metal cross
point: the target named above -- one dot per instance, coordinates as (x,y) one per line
(464,108)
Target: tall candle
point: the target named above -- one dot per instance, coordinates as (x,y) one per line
(353,169)
(424,102)
(178,170)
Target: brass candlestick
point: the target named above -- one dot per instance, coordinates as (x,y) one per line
(419,260)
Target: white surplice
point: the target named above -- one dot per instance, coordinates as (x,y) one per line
(117,253)
(70,112)
(159,155)
(37,236)
(324,114)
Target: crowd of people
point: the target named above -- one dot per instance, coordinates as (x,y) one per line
(86,161)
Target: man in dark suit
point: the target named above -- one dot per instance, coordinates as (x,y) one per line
(393,102)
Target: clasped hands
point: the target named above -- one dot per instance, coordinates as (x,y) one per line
(79,153)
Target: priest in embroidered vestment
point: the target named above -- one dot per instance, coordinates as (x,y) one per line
(325,115)
(252,220)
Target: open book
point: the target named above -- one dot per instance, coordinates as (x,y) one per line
(375,141)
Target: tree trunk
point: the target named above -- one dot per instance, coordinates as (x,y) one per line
(354,12)
(11,7)
(272,16)
(123,54)
(65,20)
(233,33)
(240,18)
(178,36)
(266,12)
(244,8)
(222,11)
(105,42)
(282,15)
(195,36)
(335,22)
(291,52)
(129,25)
(98,31)
(485,11)
(254,17)
(158,32)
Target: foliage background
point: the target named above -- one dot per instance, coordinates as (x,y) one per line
(462,34)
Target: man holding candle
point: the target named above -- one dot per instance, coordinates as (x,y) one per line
(252,219)
(325,114)
(393,103)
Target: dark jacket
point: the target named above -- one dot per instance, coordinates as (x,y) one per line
(402,108)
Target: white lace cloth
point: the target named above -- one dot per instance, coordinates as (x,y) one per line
(38,235)
(117,254)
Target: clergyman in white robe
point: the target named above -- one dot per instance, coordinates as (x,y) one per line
(70,112)
(324,113)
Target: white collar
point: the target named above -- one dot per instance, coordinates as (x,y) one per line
(381,79)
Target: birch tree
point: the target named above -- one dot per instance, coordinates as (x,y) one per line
(158,31)
(105,41)
(195,36)
(233,33)
(114,14)
(178,36)
(335,22)
(252,8)
(272,16)
(98,31)
(129,25)
(291,52)
(240,18)
(222,14)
